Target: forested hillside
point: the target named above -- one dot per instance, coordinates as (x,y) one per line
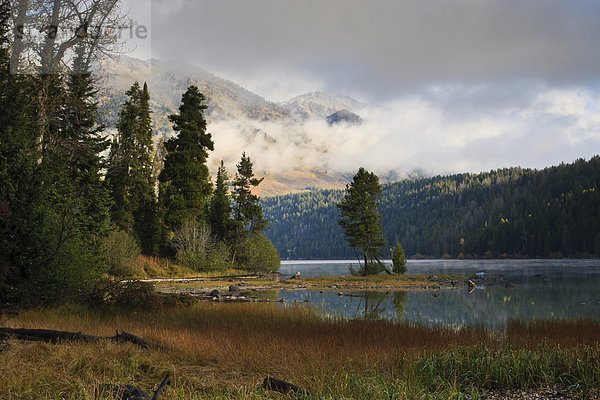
(512,212)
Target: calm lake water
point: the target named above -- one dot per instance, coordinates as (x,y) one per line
(540,289)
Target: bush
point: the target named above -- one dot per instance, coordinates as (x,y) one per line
(257,254)
(196,248)
(121,251)
(70,276)
(375,268)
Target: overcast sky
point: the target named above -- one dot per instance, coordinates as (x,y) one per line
(529,69)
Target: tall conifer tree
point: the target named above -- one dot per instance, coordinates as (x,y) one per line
(130,172)
(219,211)
(20,179)
(185,186)
(52,208)
(84,142)
(360,216)
(247,211)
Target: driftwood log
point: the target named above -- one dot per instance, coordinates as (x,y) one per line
(130,392)
(278,385)
(52,336)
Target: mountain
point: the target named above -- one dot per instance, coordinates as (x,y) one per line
(168,82)
(344,116)
(275,135)
(511,212)
(318,105)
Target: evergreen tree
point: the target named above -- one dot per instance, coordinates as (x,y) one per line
(84,144)
(53,208)
(247,210)
(130,171)
(20,178)
(185,185)
(360,218)
(398,259)
(219,212)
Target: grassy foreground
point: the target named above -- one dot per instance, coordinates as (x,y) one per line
(223,351)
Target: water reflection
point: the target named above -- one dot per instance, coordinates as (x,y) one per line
(536,291)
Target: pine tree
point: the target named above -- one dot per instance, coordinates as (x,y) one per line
(360,218)
(247,211)
(130,173)
(219,211)
(19,174)
(185,186)
(84,144)
(253,251)
(398,259)
(55,210)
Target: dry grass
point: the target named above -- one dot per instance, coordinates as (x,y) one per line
(224,350)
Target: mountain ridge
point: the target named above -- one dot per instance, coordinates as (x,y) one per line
(239,119)
(503,213)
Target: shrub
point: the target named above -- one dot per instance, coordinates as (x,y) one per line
(375,268)
(257,254)
(196,248)
(121,251)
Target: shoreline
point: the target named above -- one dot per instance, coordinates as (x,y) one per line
(244,288)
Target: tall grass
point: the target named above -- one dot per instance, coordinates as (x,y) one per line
(224,350)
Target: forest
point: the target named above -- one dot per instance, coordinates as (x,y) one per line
(78,201)
(504,213)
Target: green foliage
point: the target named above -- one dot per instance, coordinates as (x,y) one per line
(219,211)
(185,185)
(257,254)
(121,251)
(247,210)
(130,176)
(398,259)
(508,367)
(511,212)
(373,268)
(70,275)
(54,206)
(252,250)
(196,248)
(360,218)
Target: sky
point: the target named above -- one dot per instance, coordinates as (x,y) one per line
(455,85)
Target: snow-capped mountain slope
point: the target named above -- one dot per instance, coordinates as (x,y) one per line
(287,141)
(318,105)
(168,81)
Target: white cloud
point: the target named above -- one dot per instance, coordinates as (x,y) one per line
(418,132)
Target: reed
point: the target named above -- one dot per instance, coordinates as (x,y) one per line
(224,351)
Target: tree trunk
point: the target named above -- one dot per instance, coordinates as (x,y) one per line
(19,33)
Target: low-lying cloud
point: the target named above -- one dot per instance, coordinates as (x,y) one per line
(421,132)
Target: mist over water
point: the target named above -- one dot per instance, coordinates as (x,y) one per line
(538,290)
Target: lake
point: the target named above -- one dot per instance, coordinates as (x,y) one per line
(538,289)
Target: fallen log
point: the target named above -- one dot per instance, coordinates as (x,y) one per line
(53,336)
(130,392)
(45,335)
(131,338)
(278,385)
